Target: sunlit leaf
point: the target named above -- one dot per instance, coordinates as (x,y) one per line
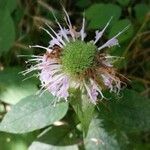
(33,112)
(43,146)
(99,139)
(12,86)
(84,110)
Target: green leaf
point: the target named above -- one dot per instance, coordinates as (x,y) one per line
(123,2)
(118,51)
(138,141)
(99,139)
(130,113)
(84,110)
(138,86)
(10,5)
(83,3)
(32,113)
(119,26)
(99,14)
(57,137)
(15,142)
(2,109)
(12,86)
(7,31)
(140,11)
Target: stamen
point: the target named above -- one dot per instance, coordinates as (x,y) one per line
(29,56)
(99,34)
(83,35)
(62,30)
(42,47)
(29,77)
(69,24)
(54,39)
(113,41)
(59,38)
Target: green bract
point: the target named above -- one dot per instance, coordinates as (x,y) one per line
(78,56)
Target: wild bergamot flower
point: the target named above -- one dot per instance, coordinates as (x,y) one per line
(71,62)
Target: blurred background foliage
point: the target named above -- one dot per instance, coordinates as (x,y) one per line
(19,27)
